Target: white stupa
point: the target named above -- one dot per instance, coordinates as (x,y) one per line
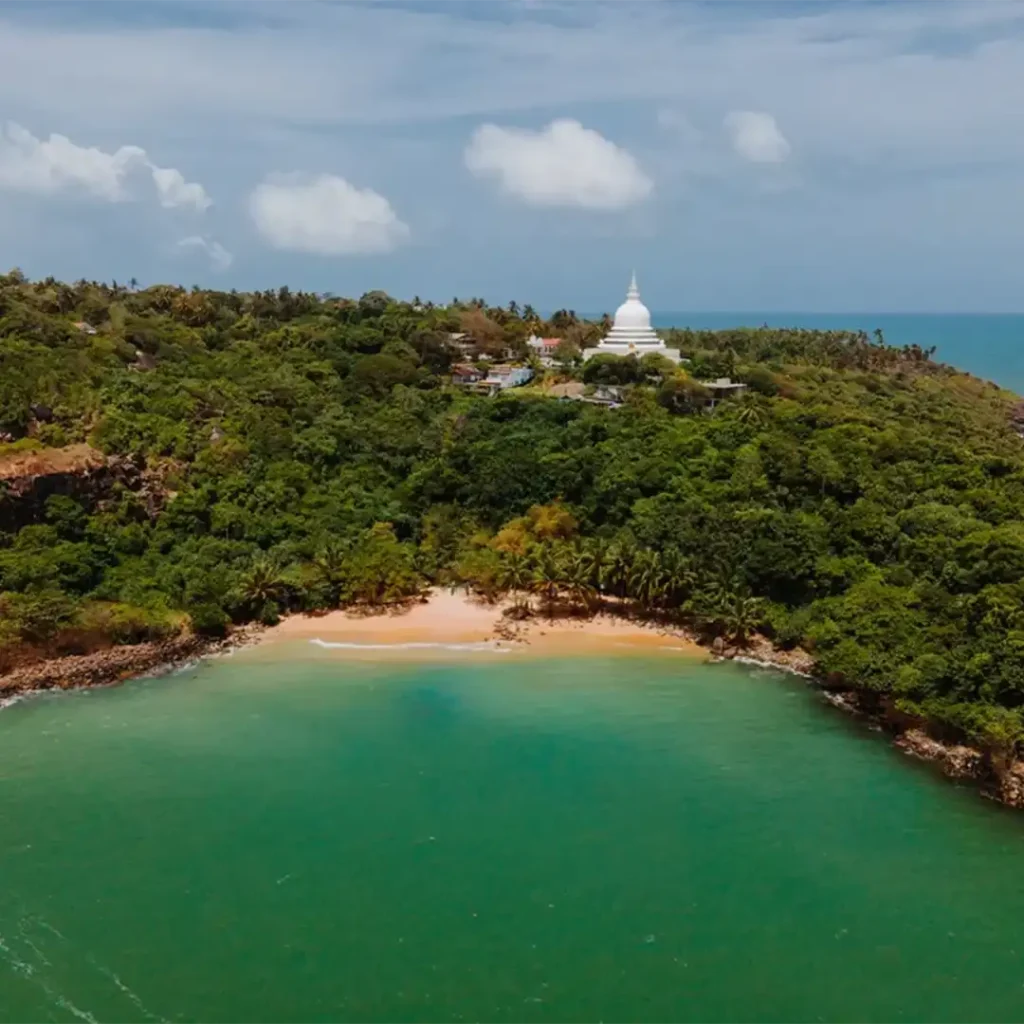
(632,334)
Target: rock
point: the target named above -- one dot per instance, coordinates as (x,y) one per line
(957,761)
(42,413)
(79,471)
(718,646)
(1010,788)
(114,664)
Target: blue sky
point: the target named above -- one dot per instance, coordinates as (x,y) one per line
(761,156)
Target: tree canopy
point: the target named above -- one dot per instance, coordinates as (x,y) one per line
(303,451)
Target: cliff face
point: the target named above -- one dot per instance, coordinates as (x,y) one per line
(78,471)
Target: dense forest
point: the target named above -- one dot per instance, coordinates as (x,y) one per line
(295,451)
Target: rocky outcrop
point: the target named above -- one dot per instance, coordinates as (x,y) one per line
(956,760)
(28,479)
(1009,786)
(116,664)
(759,650)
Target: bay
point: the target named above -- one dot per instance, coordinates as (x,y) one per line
(616,838)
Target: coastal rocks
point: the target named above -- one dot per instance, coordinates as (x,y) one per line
(759,650)
(115,664)
(1009,788)
(956,760)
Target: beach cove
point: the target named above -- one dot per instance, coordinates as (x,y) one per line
(447,623)
(298,831)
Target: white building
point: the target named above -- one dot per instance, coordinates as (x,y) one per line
(632,334)
(544,348)
(508,376)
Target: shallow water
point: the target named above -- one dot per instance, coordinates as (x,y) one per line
(641,838)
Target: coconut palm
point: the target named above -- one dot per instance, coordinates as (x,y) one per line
(547,575)
(330,569)
(576,572)
(740,615)
(751,414)
(516,577)
(262,586)
(598,558)
(646,580)
(620,568)
(678,578)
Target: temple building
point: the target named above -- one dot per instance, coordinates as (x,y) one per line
(632,334)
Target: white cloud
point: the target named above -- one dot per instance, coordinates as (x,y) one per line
(174,191)
(324,215)
(564,164)
(220,258)
(756,137)
(28,164)
(56,164)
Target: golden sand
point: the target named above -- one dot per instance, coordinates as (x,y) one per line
(447,622)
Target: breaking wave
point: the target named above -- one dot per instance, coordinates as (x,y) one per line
(424,645)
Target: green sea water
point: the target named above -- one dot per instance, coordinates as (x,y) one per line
(627,838)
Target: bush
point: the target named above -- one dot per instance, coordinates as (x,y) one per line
(209,620)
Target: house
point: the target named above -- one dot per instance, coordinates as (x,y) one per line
(465,373)
(505,376)
(544,348)
(463,343)
(84,327)
(722,388)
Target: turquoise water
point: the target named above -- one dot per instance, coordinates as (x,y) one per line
(567,840)
(989,346)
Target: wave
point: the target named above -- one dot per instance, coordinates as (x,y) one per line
(424,645)
(764,663)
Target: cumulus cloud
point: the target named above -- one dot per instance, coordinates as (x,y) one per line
(325,215)
(28,164)
(756,137)
(220,258)
(175,191)
(564,164)
(54,165)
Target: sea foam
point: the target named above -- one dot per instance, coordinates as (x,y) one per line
(483,645)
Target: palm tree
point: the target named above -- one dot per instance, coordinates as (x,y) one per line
(516,577)
(598,555)
(547,576)
(678,579)
(577,577)
(263,585)
(646,579)
(620,568)
(330,569)
(751,415)
(740,614)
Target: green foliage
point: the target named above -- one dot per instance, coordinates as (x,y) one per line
(306,452)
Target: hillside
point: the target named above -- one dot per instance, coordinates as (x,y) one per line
(271,451)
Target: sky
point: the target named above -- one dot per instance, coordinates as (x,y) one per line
(811,156)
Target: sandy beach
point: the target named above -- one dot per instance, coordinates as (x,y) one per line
(448,621)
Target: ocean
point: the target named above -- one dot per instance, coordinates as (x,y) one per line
(641,838)
(989,346)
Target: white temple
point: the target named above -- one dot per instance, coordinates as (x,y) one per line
(632,333)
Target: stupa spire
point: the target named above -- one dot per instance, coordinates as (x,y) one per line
(631,332)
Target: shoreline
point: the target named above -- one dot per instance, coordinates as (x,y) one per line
(112,666)
(449,623)
(454,621)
